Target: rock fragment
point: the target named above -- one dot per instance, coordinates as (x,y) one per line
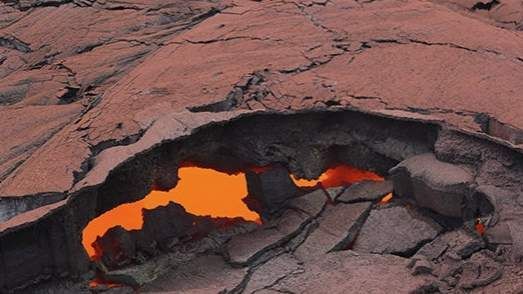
(117,247)
(439,186)
(458,244)
(204,274)
(165,223)
(347,271)
(334,192)
(457,260)
(499,234)
(311,203)
(244,249)
(337,228)
(275,269)
(421,265)
(479,271)
(272,188)
(516,233)
(365,191)
(395,230)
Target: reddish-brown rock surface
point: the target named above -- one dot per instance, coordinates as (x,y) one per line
(78,79)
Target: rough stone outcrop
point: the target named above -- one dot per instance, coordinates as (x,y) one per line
(365,191)
(79,114)
(439,186)
(337,229)
(361,273)
(395,230)
(100,101)
(271,189)
(244,249)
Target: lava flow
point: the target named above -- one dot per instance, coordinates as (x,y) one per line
(338,176)
(200,191)
(386,199)
(479,227)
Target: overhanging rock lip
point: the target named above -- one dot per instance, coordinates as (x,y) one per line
(21,204)
(460,175)
(160,133)
(169,128)
(30,217)
(183,128)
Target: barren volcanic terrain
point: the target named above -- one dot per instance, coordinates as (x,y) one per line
(238,146)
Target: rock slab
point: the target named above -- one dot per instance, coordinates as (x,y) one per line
(365,191)
(244,249)
(337,228)
(439,186)
(395,230)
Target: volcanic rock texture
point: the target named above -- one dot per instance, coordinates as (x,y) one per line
(100,101)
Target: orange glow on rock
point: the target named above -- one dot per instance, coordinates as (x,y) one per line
(200,191)
(98,282)
(386,199)
(480,227)
(338,176)
(260,169)
(303,183)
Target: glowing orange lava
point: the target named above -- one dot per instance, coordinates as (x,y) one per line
(98,282)
(386,199)
(200,191)
(338,176)
(480,227)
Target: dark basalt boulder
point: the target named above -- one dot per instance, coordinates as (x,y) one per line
(241,250)
(338,227)
(117,247)
(395,230)
(165,223)
(271,189)
(365,191)
(434,184)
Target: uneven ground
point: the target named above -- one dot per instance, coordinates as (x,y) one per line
(81,77)
(78,78)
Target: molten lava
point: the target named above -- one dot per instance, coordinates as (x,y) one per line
(386,199)
(480,227)
(341,175)
(200,191)
(99,282)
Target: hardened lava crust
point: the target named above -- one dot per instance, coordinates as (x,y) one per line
(101,100)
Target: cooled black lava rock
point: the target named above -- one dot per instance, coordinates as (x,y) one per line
(272,188)
(117,247)
(243,249)
(458,244)
(334,192)
(350,272)
(365,191)
(162,228)
(338,226)
(439,186)
(167,222)
(479,271)
(395,230)
(209,273)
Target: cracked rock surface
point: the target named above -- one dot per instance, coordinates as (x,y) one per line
(70,91)
(309,261)
(395,230)
(90,89)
